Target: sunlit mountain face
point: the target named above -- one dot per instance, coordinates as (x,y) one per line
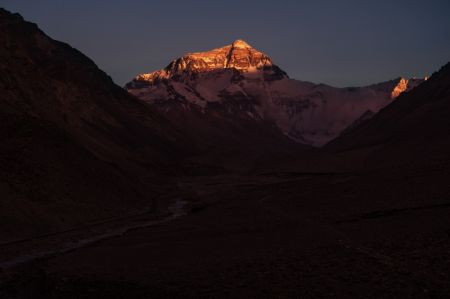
(244,81)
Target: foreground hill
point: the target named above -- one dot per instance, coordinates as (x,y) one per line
(415,129)
(74,146)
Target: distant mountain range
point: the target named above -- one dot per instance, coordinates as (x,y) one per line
(241,83)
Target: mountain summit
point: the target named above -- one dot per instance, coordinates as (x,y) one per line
(237,56)
(239,43)
(239,82)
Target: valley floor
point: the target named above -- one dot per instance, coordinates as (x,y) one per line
(273,235)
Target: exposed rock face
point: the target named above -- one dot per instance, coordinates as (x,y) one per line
(237,56)
(405,85)
(239,82)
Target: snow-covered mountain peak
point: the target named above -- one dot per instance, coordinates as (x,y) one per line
(239,43)
(238,56)
(237,83)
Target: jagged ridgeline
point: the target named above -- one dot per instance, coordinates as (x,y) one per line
(241,83)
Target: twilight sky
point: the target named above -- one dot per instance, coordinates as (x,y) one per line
(342,43)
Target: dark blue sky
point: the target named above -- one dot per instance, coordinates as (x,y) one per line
(342,43)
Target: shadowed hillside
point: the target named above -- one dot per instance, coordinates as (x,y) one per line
(74,146)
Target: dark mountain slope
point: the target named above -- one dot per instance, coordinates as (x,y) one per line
(73,146)
(413,129)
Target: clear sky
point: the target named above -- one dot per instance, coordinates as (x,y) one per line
(342,43)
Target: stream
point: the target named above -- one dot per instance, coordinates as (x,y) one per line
(176,209)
